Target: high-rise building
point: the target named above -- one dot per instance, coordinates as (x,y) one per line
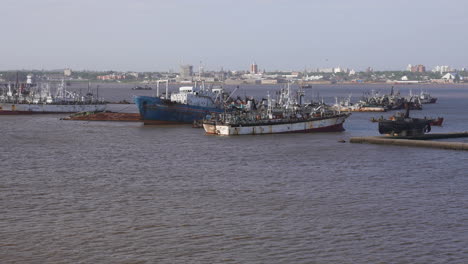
(186,71)
(253,68)
(418,68)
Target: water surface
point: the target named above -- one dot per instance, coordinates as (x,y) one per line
(109,192)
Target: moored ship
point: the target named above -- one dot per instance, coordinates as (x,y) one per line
(404,125)
(286,115)
(426,98)
(38,99)
(182,107)
(230,125)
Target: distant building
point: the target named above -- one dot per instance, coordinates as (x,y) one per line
(326,70)
(442,69)
(254,68)
(112,76)
(450,76)
(67,72)
(269,81)
(340,70)
(134,74)
(418,68)
(313,78)
(186,71)
(221,76)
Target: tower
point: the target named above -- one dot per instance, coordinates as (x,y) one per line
(253,68)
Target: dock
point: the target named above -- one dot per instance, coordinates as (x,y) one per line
(417,141)
(105,116)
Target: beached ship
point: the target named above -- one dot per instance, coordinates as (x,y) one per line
(404,125)
(38,99)
(185,106)
(285,115)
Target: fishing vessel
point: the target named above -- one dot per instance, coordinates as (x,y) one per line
(285,115)
(361,106)
(376,102)
(185,106)
(426,98)
(347,106)
(230,125)
(39,99)
(404,125)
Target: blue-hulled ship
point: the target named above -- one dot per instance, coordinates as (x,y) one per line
(185,106)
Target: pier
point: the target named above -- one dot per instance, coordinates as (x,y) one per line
(417,141)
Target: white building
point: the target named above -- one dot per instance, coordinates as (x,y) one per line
(442,69)
(450,76)
(313,78)
(326,70)
(134,74)
(67,72)
(339,69)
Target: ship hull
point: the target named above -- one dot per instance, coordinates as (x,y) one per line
(18,109)
(156,111)
(414,126)
(329,124)
(429,101)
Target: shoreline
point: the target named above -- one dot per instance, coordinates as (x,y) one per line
(295,83)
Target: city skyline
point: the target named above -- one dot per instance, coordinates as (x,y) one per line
(278,35)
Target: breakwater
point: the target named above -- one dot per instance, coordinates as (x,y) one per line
(422,141)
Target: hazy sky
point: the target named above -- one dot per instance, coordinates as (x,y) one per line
(145,35)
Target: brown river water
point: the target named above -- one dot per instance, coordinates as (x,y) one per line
(110,192)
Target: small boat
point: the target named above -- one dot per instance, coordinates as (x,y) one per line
(437,121)
(373,119)
(146,87)
(198,123)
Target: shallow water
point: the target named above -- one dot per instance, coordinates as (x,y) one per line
(109,192)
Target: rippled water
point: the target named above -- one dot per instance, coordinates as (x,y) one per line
(109,192)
